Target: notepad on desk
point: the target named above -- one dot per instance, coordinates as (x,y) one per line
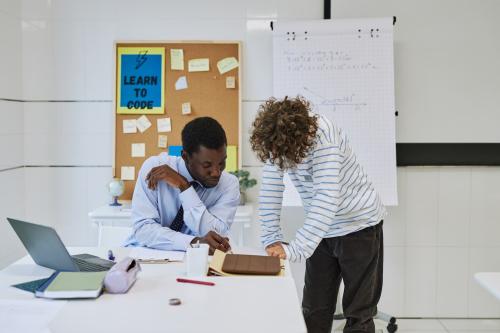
(218,264)
(66,285)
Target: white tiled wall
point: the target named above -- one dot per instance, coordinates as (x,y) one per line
(445,228)
(62,197)
(430,257)
(11,129)
(11,205)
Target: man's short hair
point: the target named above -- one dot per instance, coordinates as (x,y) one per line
(203,131)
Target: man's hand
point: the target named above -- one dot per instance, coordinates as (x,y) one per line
(167,174)
(215,241)
(276,250)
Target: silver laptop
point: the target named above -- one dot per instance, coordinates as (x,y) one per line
(47,249)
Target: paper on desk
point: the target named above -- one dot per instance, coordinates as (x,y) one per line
(164,125)
(138,149)
(143,124)
(129,125)
(227,64)
(177,59)
(152,254)
(199,65)
(218,260)
(181,83)
(28,315)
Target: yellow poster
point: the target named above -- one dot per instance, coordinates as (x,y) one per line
(140,80)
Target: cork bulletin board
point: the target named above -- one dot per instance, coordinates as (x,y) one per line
(155,94)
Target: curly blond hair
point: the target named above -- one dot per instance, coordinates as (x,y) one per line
(283,131)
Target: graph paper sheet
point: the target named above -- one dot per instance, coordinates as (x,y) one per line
(345,67)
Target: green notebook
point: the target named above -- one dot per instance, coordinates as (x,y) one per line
(72,285)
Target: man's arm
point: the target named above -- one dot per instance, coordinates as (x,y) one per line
(324,203)
(270,200)
(145,214)
(219,217)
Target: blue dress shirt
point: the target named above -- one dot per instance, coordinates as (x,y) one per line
(205,209)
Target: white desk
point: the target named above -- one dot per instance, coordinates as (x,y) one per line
(489,281)
(114,223)
(243,304)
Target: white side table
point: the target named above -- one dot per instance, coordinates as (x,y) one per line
(114,223)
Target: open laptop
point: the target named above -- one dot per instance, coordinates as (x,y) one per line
(47,249)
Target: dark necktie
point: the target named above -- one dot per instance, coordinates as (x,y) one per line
(178,221)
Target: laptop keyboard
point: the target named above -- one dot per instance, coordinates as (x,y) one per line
(89,267)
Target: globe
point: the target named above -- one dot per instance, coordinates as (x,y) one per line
(116,187)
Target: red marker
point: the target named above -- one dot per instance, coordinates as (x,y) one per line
(205,283)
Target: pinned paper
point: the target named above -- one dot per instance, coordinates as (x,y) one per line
(162,141)
(177,59)
(186,108)
(128,173)
(230,82)
(198,65)
(138,149)
(232,158)
(181,83)
(175,150)
(143,124)
(227,64)
(164,125)
(130,126)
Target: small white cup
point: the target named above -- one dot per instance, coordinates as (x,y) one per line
(197,260)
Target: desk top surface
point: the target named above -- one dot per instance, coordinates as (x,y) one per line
(242,304)
(490,281)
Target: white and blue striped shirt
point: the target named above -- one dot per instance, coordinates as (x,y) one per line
(338,197)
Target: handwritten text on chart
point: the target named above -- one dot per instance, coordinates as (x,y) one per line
(297,61)
(349,101)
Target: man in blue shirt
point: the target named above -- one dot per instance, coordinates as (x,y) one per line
(178,201)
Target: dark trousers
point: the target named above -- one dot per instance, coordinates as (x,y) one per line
(357,259)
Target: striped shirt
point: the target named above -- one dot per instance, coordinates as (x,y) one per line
(338,197)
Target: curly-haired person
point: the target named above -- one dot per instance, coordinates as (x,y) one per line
(342,233)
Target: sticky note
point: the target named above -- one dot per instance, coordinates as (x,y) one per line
(129,126)
(164,125)
(175,150)
(143,124)
(128,173)
(227,64)
(198,65)
(186,108)
(232,158)
(230,82)
(138,149)
(177,59)
(162,141)
(181,83)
